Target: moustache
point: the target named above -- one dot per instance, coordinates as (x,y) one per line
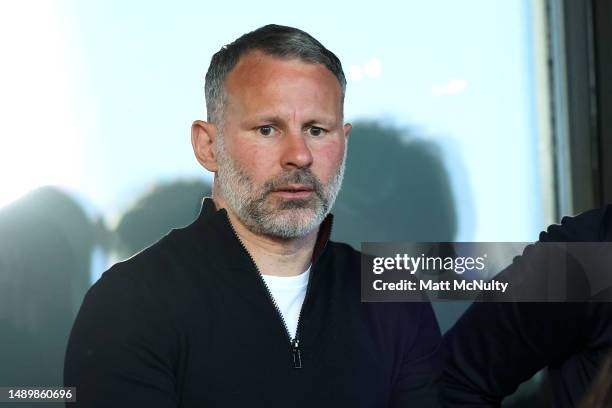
(303,177)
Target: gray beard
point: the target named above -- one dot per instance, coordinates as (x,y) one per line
(261,212)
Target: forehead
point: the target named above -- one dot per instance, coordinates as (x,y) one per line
(260,81)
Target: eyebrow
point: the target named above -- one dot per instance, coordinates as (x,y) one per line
(266,118)
(277,119)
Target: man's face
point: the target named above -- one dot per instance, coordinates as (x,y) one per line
(281,154)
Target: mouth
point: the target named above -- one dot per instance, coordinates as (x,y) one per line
(294,191)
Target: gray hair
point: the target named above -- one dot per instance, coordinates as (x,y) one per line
(275,40)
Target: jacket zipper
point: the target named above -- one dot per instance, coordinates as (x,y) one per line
(293,342)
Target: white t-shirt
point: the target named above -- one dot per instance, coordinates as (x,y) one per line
(289,293)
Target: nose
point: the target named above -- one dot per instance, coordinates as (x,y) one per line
(296,153)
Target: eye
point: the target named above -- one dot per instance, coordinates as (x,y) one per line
(266,130)
(316,131)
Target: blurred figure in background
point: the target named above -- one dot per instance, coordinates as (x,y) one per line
(153,215)
(46,241)
(402,194)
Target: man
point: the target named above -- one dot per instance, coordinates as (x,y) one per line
(494,347)
(252,304)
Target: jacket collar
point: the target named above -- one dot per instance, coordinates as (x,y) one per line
(220,248)
(209,213)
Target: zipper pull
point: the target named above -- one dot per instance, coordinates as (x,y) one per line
(297,356)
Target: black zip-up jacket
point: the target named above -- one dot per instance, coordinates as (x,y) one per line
(494,347)
(189,322)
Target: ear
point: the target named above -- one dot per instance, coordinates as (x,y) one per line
(203,136)
(347,130)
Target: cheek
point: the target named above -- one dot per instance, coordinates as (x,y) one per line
(256,161)
(327,160)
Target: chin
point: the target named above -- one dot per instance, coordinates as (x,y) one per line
(294,224)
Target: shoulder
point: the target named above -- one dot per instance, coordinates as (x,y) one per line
(159,277)
(592,225)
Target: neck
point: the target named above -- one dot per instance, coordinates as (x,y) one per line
(272,255)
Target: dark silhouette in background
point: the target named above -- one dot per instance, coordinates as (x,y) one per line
(45,245)
(166,206)
(396,188)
